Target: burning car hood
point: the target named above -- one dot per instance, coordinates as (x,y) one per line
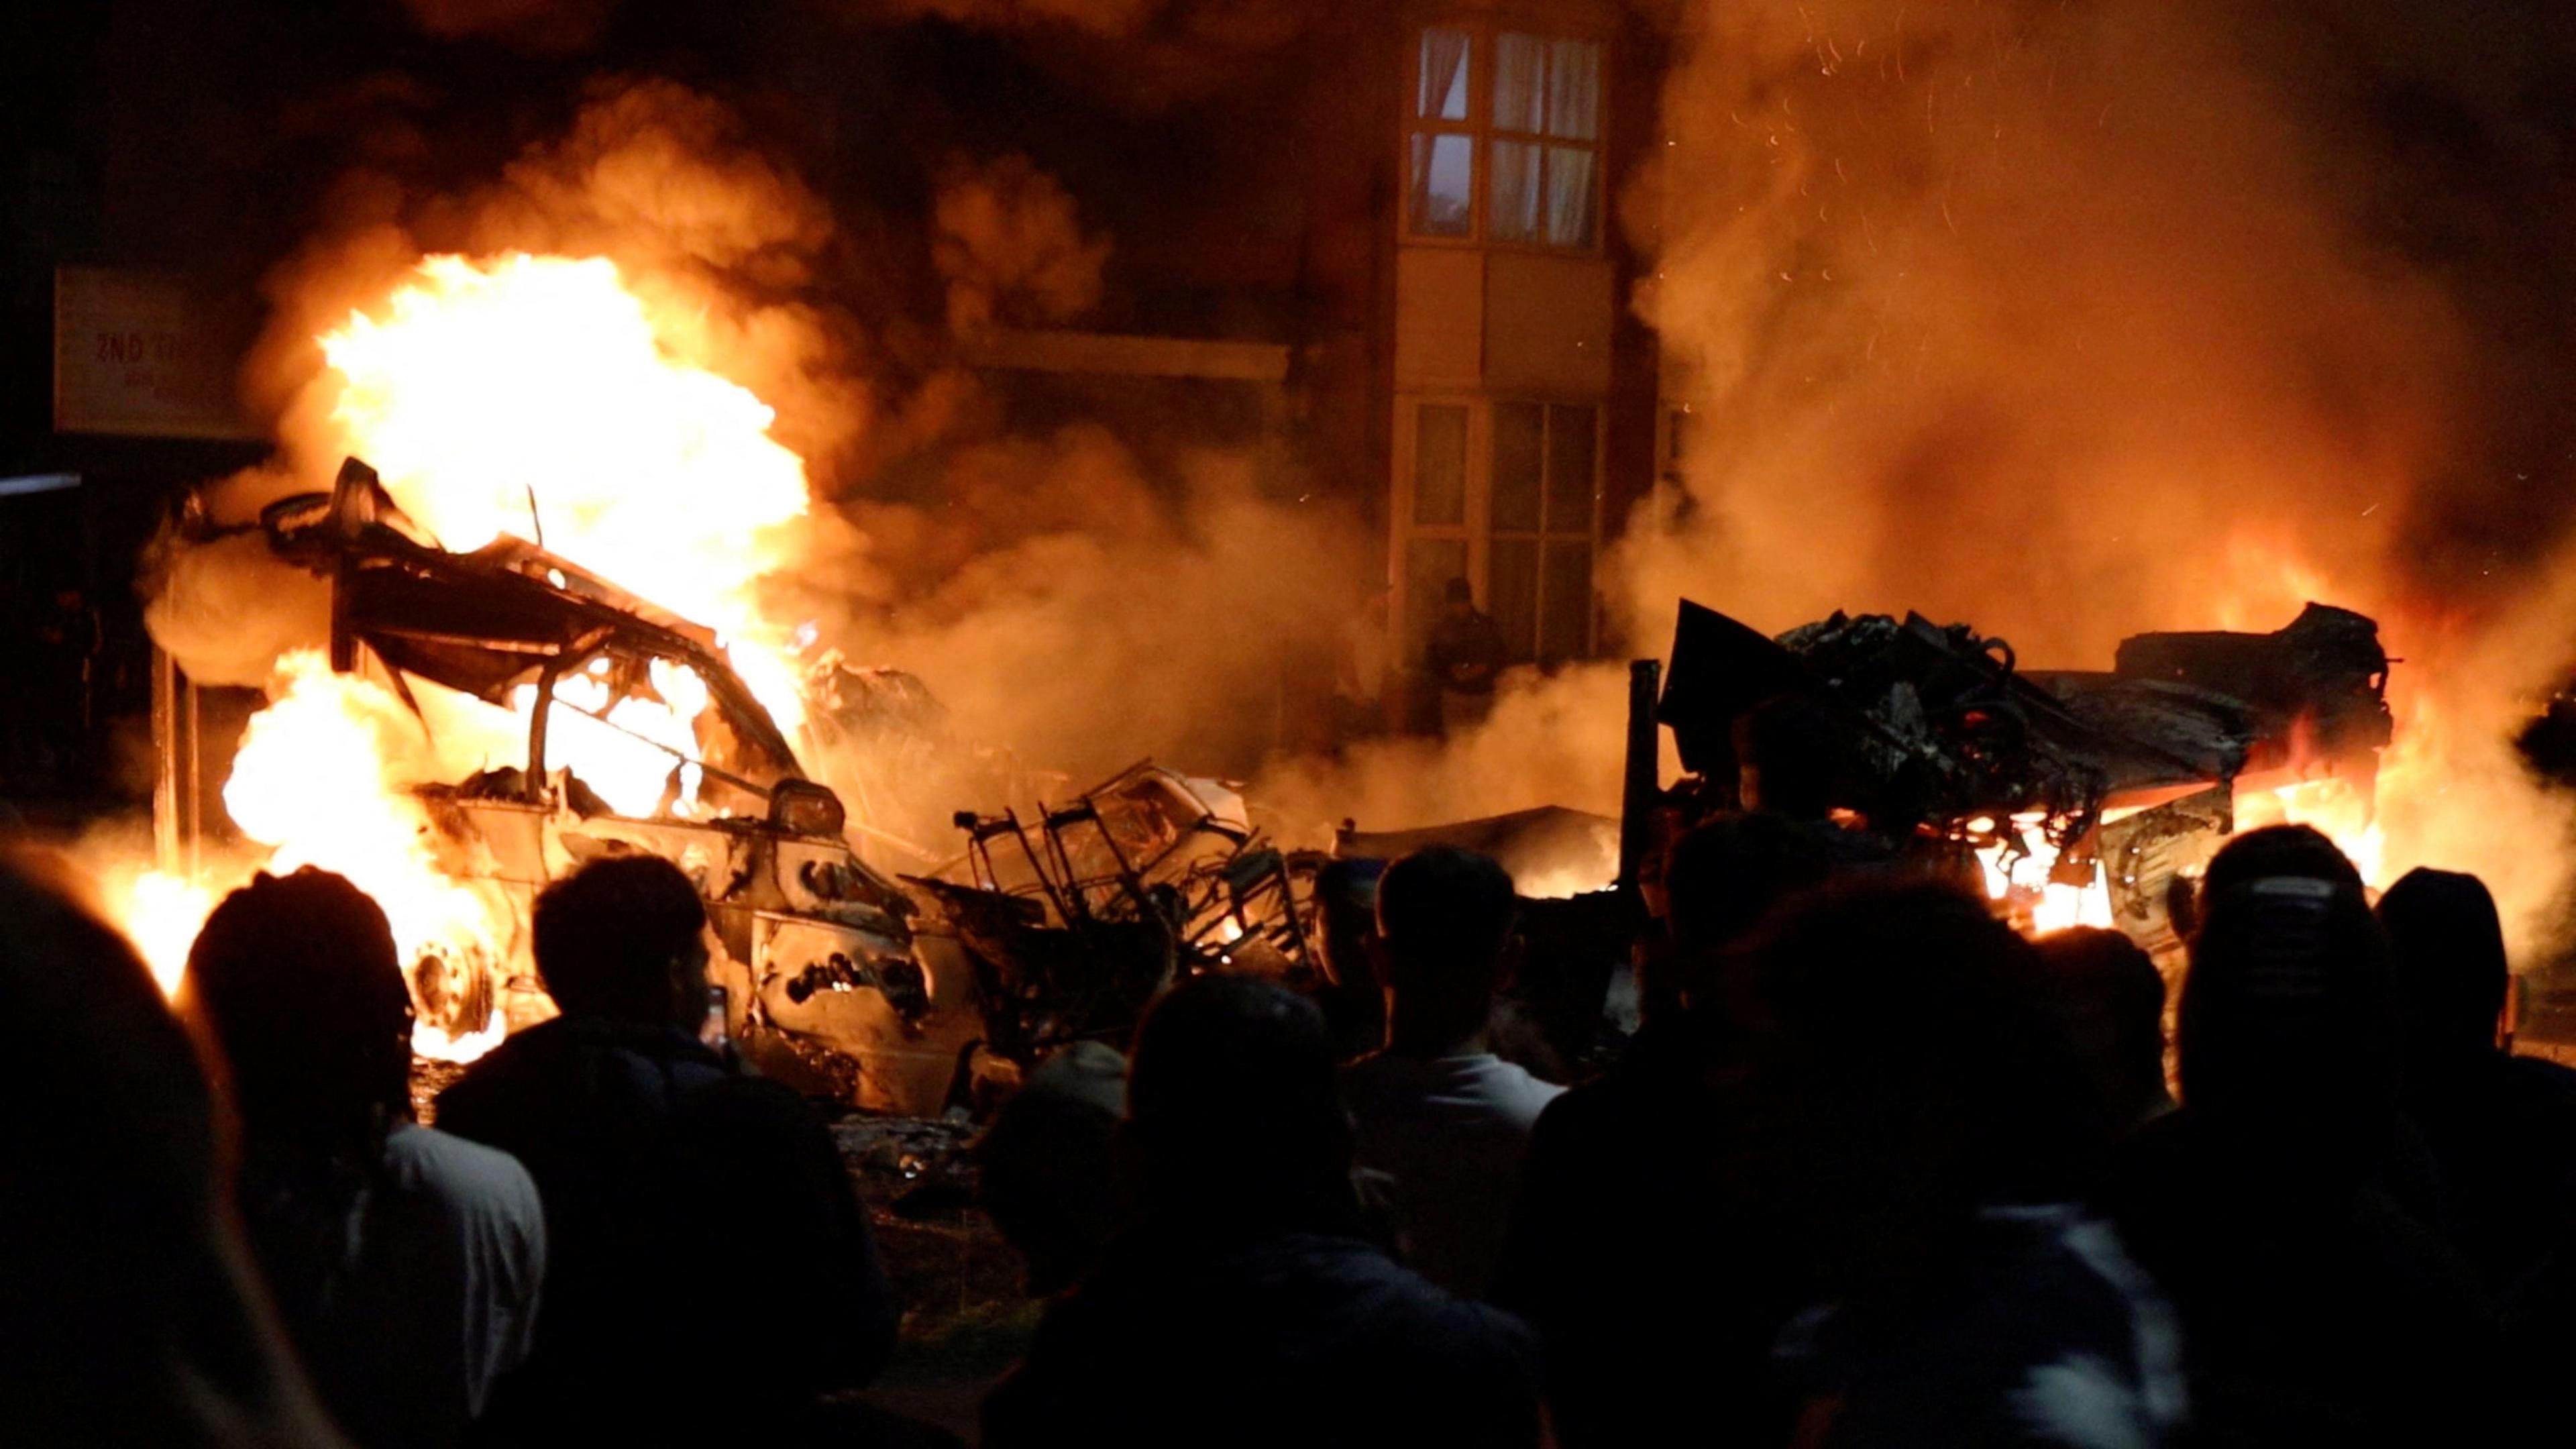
(485,622)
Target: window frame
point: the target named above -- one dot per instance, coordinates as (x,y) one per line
(1469,529)
(1483,33)
(1546,533)
(1476,529)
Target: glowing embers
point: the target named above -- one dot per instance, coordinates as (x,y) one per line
(2041,889)
(2022,870)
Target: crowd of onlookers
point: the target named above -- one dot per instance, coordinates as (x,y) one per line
(1875,1170)
(226,1227)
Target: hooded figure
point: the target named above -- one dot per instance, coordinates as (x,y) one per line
(2316,1309)
(2502,1128)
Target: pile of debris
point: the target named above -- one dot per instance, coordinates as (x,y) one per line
(1943,736)
(1073,921)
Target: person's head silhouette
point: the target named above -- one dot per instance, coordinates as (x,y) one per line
(1234,1121)
(297,978)
(624,938)
(2452,975)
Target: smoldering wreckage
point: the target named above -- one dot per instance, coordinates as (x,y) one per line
(903,994)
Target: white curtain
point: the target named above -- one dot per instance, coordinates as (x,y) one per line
(1519,78)
(1444,76)
(1516,192)
(1569,195)
(1574,90)
(1443,165)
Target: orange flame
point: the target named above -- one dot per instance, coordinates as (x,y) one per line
(160,912)
(533,395)
(321,778)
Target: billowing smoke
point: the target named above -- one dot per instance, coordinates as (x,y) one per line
(228,611)
(1551,740)
(2074,320)
(1008,239)
(2038,315)
(1072,600)
(1067,609)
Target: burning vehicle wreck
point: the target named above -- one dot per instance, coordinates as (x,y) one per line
(2072,790)
(1072,922)
(636,734)
(823,985)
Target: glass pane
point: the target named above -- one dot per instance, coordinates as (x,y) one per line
(1569,196)
(1516,192)
(1569,470)
(1440,464)
(1517,452)
(1520,66)
(1443,174)
(1512,595)
(1440,90)
(1565,631)
(1573,89)
(1429,565)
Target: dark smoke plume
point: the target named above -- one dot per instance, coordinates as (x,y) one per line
(2076,319)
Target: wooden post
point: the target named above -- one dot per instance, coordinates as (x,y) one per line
(1642,782)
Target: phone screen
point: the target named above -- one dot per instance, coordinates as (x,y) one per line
(712,1029)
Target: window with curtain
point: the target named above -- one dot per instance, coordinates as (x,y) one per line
(1526,113)
(1539,517)
(1442,140)
(1504,493)
(1546,141)
(1433,539)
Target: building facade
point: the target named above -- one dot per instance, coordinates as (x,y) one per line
(1512,406)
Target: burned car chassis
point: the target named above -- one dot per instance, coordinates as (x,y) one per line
(823,984)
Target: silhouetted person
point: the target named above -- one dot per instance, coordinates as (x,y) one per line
(2501,1128)
(1786,760)
(2109,998)
(1352,996)
(1789,760)
(2299,851)
(2317,1309)
(62,690)
(1437,1111)
(1464,657)
(712,1270)
(132,1312)
(1637,1248)
(1044,1169)
(1238,1307)
(406,1262)
(1937,1136)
